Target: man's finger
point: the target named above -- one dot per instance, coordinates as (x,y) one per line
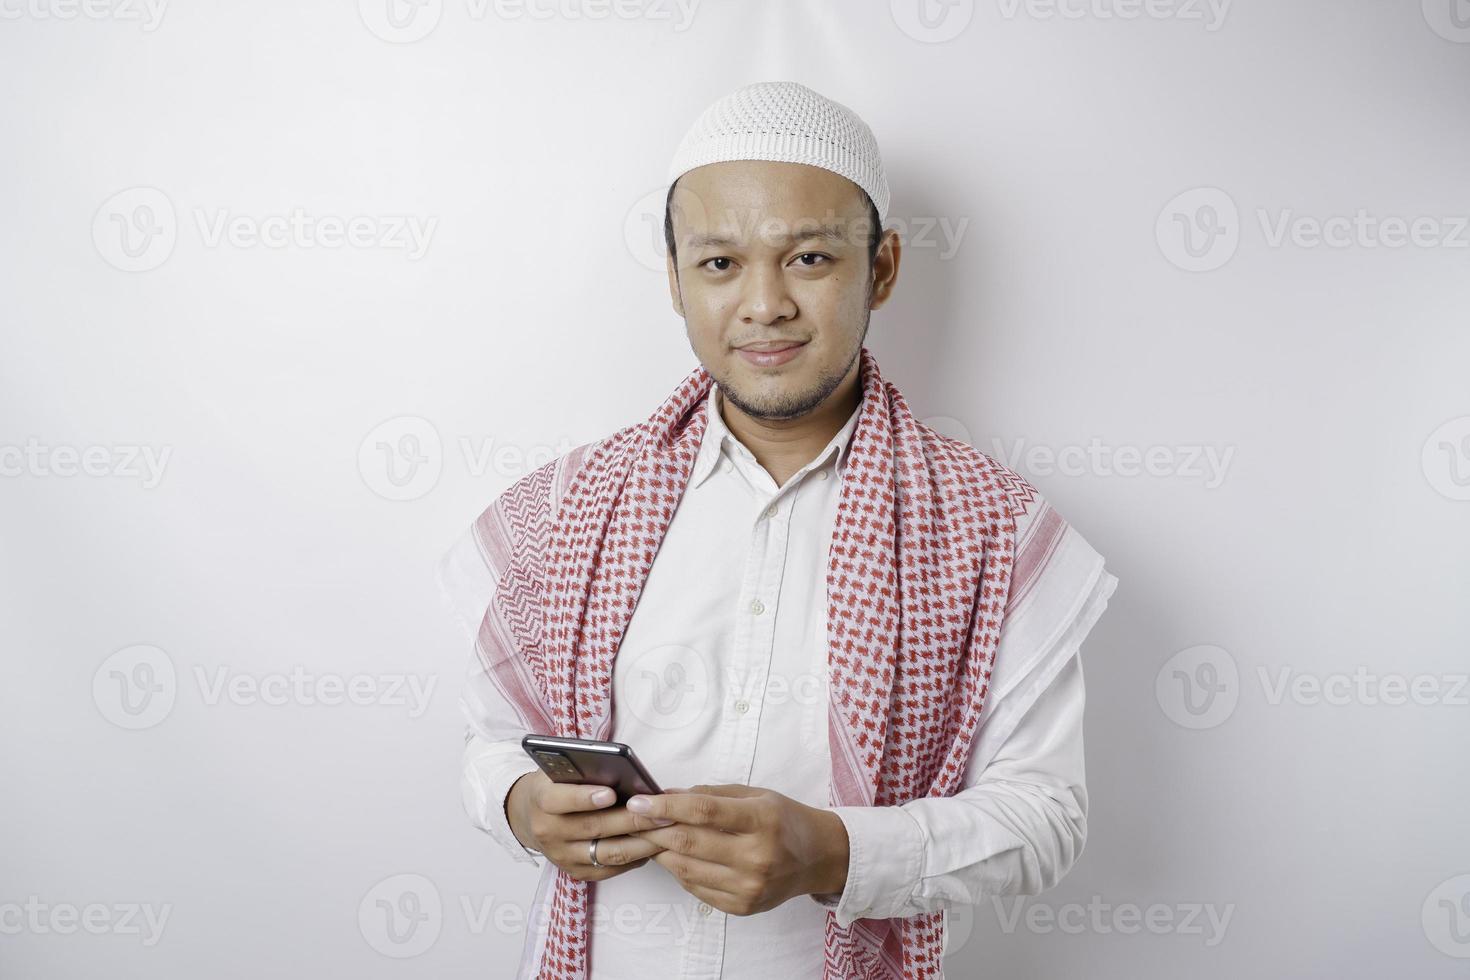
(618,851)
(727,789)
(722,900)
(606,822)
(704,843)
(701,809)
(695,873)
(573,797)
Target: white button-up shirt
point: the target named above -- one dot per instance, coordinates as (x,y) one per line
(721,678)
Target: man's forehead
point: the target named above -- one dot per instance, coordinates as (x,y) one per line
(773,232)
(770,183)
(740,201)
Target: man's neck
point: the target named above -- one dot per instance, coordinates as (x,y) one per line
(783,446)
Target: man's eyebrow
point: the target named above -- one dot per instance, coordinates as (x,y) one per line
(830,233)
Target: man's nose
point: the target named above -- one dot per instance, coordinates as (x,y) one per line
(765,298)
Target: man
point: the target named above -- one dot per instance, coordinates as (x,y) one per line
(847,646)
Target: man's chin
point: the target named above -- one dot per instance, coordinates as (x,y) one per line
(775,404)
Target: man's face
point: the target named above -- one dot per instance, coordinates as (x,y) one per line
(771,254)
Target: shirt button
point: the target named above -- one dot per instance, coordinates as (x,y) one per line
(757,607)
(704,909)
(771,511)
(725,466)
(742,706)
(822,475)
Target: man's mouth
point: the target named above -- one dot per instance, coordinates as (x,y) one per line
(771,353)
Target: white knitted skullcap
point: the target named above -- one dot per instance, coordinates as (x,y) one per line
(788,123)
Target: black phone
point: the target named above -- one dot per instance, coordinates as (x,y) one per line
(582,760)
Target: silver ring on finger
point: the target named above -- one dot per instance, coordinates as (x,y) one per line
(592,853)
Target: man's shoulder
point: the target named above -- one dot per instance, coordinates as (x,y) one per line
(547,484)
(980,475)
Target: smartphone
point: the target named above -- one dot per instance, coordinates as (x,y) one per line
(581,760)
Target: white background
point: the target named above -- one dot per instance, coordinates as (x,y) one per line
(1068,315)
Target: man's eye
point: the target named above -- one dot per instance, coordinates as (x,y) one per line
(810,255)
(718,258)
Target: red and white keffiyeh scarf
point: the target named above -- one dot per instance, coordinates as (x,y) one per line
(918,577)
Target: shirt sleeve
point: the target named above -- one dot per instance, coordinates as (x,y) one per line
(1020,820)
(493,758)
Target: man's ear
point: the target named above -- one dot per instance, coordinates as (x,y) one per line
(674,290)
(885,269)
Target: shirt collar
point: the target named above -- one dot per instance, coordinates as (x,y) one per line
(718,440)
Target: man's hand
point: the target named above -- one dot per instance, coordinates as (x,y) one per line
(558,819)
(744,849)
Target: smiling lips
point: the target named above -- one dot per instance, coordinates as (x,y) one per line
(771,353)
